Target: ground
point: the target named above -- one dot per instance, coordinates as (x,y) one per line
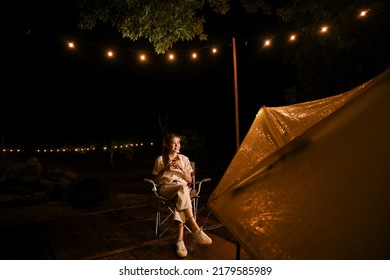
(66,182)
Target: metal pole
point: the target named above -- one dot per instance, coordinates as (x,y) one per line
(236,93)
(238,247)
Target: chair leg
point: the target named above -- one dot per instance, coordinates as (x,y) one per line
(161,234)
(195,207)
(158,221)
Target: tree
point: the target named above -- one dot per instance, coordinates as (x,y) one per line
(161,22)
(354,50)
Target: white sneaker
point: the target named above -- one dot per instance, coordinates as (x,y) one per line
(181,249)
(202,237)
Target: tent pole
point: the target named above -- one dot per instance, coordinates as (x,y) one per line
(238,249)
(236,92)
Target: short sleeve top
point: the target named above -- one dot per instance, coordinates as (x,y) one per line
(172,175)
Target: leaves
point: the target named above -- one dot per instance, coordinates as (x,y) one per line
(163,23)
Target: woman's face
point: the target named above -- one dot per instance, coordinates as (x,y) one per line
(174,144)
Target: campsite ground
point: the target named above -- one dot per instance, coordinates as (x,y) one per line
(31,224)
(104,176)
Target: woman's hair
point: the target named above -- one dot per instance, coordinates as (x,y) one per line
(167,140)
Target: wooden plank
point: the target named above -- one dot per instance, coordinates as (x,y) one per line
(69,247)
(160,249)
(126,249)
(105,235)
(134,214)
(99,244)
(56,228)
(79,224)
(115,217)
(141,231)
(126,233)
(119,256)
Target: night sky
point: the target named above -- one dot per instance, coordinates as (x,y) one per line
(54,95)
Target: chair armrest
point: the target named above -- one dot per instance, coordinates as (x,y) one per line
(154,185)
(199,183)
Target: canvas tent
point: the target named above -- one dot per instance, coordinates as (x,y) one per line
(312,180)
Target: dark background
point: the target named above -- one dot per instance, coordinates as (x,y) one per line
(53,96)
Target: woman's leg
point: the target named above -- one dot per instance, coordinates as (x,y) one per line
(191,220)
(180,231)
(183,211)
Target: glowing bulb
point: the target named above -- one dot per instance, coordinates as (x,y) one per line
(214,50)
(171,57)
(267,43)
(324,29)
(142,57)
(293,37)
(363,13)
(110,54)
(194,55)
(71,45)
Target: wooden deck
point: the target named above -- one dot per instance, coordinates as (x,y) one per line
(116,233)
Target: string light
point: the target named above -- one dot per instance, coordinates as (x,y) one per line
(214,50)
(363,13)
(142,57)
(171,57)
(78,149)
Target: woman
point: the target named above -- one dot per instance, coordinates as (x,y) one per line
(173,174)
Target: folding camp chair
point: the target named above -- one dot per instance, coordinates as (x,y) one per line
(170,204)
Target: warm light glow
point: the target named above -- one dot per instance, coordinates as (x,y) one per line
(363,13)
(77,149)
(142,57)
(195,56)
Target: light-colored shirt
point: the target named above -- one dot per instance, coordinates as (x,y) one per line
(175,174)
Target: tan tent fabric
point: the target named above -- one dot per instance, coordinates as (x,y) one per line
(312,180)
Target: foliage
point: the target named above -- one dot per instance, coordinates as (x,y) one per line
(163,23)
(354,49)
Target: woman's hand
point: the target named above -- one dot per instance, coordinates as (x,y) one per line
(176,164)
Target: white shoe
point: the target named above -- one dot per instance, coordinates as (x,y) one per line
(202,237)
(181,249)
